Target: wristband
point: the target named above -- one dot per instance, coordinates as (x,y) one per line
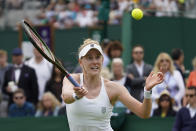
(147,94)
(75,96)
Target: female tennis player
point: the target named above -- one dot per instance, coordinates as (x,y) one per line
(89,107)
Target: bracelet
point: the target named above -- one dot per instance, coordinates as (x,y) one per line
(75,96)
(147,94)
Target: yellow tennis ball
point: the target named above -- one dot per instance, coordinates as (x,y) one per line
(181,1)
(137,13)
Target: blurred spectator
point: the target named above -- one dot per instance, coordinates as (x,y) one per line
(48,106)
(192,76)
(173,81)
(85,16)
(62,111)
(178,58)
(115,49)
(20,107)
(54,84)
(119,75)
(138,71)
(186,97)
(165,105)
(4,66)
(21,76)
(185,118)
(42,68)
(15,4)
(105,45)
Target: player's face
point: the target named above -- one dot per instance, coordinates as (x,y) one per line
(138,54)
(92,62)
(117,69)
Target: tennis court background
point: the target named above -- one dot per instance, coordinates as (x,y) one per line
(155,34)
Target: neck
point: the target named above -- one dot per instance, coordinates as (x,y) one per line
(118,77)
(92,81)
(177,62)
(193,105)
(38,59)
(138,62)
(164,110)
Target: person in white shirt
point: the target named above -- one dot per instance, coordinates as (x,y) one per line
(173,81)
(89,107)
(43,70)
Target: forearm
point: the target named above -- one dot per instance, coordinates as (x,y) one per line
(146,108)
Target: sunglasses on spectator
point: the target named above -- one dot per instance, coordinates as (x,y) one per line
(164,99)
(138,52)
(164,60)
(18,97)
(190,95)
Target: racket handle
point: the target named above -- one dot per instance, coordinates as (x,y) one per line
(72,81)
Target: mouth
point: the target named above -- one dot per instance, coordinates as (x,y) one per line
(95,68)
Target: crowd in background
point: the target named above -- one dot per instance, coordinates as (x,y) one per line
(64,14)
(33,86)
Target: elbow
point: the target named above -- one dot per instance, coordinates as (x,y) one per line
(145,116)
(66,99)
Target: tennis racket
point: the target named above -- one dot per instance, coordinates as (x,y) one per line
(39,44)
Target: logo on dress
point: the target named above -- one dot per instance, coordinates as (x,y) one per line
(103,110)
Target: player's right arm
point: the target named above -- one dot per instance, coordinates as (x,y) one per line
(68,90)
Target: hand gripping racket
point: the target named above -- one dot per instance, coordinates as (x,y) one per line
(39,44)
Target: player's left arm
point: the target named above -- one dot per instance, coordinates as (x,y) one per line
(140,109)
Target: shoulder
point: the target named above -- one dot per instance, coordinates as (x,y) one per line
(176,73)
(112,86)
(130,65)
(183,110)
(148,66)
(12,107)
(29,105)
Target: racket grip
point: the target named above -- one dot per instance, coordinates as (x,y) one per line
(73,81)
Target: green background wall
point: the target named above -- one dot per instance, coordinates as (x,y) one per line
(131,123)
(155,34)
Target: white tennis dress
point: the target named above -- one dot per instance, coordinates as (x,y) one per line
(90,114)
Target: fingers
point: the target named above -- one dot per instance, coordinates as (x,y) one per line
(80,91)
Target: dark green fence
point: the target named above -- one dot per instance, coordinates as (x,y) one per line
(131,123)
(155,34)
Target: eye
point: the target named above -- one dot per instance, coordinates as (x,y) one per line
(98,57)
(89,57)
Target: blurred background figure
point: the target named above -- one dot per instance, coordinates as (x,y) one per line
(138,71)
(54,84)
(20,107)
(192,76)
(178,58)
(119,75)
(165,106)
(48,106)
(21,76)
(186,97)
(4,66)
(42,68)
(105,45)
(186,116)
(173,81)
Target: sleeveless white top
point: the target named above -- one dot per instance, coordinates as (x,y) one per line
(90,114)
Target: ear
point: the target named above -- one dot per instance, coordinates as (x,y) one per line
(80,61)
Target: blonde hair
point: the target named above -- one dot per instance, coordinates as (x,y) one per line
(194,62)
(3,53)
(87,42)
(54,100)
(161,56)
